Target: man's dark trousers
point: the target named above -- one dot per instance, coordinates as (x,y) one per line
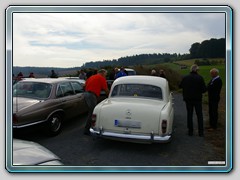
(190,105)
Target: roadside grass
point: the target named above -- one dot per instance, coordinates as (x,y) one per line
(217,137)
(174,73)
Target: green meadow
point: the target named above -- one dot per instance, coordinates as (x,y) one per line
(204,70)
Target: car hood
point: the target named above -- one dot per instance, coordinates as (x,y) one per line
(20,103)
(31,153)
(145,114)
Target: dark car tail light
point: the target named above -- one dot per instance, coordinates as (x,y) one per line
(164,126)
(14,119)
(94,118)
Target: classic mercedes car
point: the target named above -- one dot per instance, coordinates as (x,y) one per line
(32,153)
(47,101)
(138,109)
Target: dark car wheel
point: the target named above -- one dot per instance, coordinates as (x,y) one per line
(54,124)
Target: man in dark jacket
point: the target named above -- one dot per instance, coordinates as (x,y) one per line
(193,87)
(214,89)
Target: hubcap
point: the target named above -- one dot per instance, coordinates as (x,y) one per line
(55,123)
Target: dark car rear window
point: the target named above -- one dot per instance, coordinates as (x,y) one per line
(137,90)
(36,90)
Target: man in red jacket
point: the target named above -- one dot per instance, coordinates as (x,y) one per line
(93,87)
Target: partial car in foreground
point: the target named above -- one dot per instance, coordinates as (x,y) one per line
(138,109)
(31,153)
(47,101)
(130,72)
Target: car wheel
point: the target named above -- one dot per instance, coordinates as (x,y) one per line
(54,125)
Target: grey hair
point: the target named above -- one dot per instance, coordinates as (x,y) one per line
(194,68)
(102,71)
(214,70)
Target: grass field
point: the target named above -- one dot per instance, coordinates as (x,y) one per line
(204,71)
(217,137)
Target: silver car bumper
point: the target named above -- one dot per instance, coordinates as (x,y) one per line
(131,137)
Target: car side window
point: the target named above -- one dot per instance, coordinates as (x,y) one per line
(64,89)
(78,88)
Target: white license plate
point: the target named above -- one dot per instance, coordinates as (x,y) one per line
(127,123)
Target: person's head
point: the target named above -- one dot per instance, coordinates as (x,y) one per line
(161,71)
(214,72)
(103,72)
(116,69)
(81,71)
(153,71)
(194,68)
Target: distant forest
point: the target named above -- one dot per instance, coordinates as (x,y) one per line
(213,48)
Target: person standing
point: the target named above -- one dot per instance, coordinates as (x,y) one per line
(19,76)
(113,74)
(121,73)
(93,87)
(162,73)
(82,75)
(193,87)
(154,73)
(214,89)
(31,75)
(53,74)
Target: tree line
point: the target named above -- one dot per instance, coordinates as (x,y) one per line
(213,48)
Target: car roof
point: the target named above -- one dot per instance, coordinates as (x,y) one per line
(152,80)
(129,69)
(74,78)
(46,80)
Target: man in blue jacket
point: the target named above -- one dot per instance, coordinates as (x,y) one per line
(193,87)
(121,73)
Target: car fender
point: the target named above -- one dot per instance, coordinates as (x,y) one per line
(60,111)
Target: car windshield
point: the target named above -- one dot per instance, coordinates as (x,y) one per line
(137,90)
(131,73)
(34,90)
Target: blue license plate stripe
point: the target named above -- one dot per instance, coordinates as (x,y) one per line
(115,122)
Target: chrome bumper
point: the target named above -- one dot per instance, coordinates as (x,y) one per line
(131,137)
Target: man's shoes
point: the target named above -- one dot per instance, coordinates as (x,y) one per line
(210,129)
(190,133)
(87,132)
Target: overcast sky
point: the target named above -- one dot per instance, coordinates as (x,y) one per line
(71,39)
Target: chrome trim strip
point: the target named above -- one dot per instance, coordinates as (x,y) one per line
(150,137)
(31,124)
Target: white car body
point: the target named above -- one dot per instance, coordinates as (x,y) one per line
(143,114)
(32,153)
(130,72)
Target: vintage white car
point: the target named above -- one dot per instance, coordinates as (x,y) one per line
(31,153)
(138,109)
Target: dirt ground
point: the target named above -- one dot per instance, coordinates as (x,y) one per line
(217,137)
